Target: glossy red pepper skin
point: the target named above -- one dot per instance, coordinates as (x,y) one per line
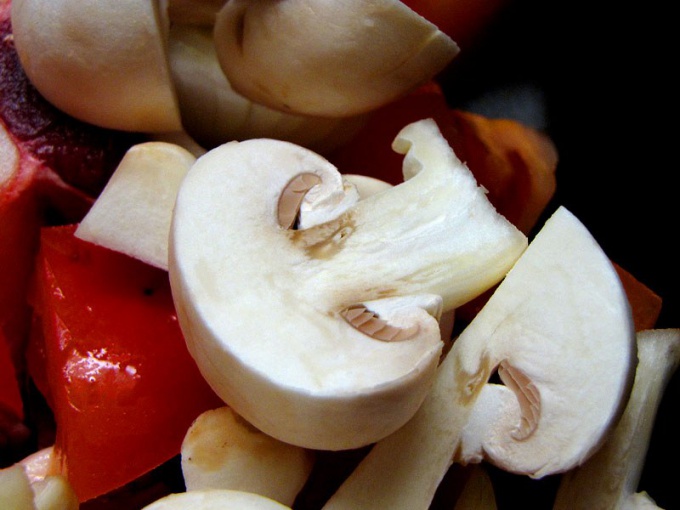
(112,362)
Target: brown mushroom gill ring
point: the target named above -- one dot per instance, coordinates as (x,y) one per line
(358,316)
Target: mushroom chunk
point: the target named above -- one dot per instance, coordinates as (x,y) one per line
(223,451)
(560,326)
(133,212)
(268,312)
(102,62)
(328,58)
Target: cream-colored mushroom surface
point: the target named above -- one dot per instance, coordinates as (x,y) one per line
(213,113)
(215,500)
(102,62)
(328,57)
(326,335)
(132,214)
(223,451)
(560,326)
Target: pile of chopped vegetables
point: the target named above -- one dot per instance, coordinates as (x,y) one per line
(255,258)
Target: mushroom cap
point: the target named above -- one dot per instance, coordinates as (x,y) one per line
(328,57)
(102,62)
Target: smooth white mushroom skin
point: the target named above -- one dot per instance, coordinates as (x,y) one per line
(328,57)
(265,309)
(132,215)
(102,62)
(610,478)
(223,451)
(213,113)
(560,319)
(215,500)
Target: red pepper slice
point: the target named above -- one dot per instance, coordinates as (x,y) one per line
(121,383)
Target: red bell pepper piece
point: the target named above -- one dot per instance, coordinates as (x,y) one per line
(121,383)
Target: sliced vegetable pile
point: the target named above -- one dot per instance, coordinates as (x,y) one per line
(277,270)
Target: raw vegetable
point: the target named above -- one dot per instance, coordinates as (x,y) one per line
(559,332)
(119,378)
(223,451)
(332,343)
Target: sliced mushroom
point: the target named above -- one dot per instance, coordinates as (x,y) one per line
(610,478)
(327,58)
(561,326)
(223,451)
(133,213)
(215,500)
(102,62)
(213,113)
(265,309)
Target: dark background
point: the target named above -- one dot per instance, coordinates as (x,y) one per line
(600,81)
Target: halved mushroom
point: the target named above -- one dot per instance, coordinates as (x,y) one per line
(102,62)
(328,58)
(561,327)
(611,476)
(213,113)
(223,451)
(215,500)
(271,314)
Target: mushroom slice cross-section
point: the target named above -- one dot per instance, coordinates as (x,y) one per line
(326,335)
(559,330)
(562,338)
